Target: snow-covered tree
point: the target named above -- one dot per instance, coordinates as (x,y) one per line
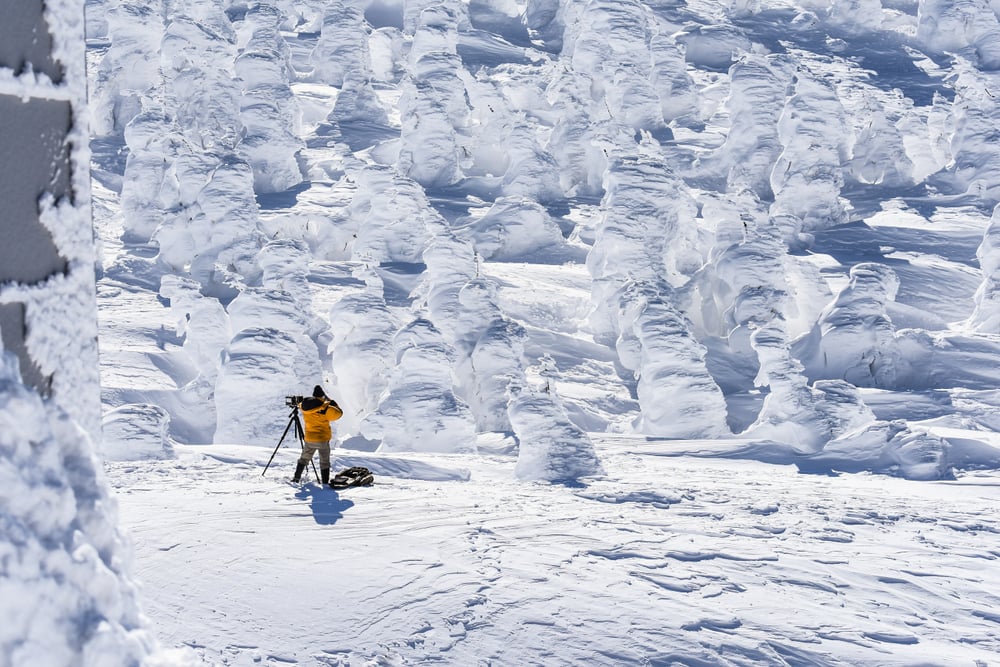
(854,338)
(433,104)
(268,110)
(967,27)
(808,174)
(756,98)
(986,317)
(131,67)
(419,410)
(806,417)
(974,144)
(342,47)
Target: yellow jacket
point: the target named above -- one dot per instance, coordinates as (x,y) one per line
(317,415)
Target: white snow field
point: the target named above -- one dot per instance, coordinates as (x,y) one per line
(667,560)
(670,329)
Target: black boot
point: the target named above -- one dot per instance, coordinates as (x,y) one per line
(324,474)
(299,467)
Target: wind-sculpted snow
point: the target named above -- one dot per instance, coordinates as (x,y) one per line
(670,79)
(434,104)
(148,189)
(451,264)
(879,154)
(968,27)
(611,45)
(283,299)
(414,17)
(886,447)
(362,328)
(808,174)
(342,47)
(357,102)
(391,215)
(806,417)
(419,411)
(492,348)
(269,113)
(986,316)
(429,149)
(756,97)
(974,149)
(136,432)
(677,395)
(131,67)
(262,366)
(575,142)
(513,227)
(385,48)
(494,363)
(197,53)
(857,16)
(729,175)
(202,321)
(531,172)
(714,47)
(214,237)
(486,350)
(854,339)
(649,227)
(647,244)
(184,188)
(550,447)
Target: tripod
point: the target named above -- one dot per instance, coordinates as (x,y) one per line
(293,418)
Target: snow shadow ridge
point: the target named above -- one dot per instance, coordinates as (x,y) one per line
(326,504)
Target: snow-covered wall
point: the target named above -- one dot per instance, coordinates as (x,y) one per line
(66,596)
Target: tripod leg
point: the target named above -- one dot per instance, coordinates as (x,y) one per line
(279,443)
(302,441)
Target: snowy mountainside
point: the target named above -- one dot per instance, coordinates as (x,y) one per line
(548,219)
(668,253)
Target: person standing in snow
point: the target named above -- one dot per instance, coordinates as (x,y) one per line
(317,413)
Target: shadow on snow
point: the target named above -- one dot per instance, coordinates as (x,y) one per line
(326,504)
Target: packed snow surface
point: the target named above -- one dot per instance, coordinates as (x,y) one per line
(667,560)
(595,283)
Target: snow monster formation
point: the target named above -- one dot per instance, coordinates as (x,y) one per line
(724,208)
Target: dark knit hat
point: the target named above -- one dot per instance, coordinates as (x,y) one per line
(318,392)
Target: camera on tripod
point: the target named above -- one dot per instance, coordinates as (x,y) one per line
(294,401)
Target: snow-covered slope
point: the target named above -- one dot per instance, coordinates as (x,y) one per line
(668,560)
(764,196)
(509,236)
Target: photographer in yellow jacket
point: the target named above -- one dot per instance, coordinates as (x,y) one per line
(317,413)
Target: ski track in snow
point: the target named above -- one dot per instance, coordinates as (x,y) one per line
(702,561)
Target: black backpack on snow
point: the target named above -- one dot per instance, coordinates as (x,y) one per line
(356,476)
